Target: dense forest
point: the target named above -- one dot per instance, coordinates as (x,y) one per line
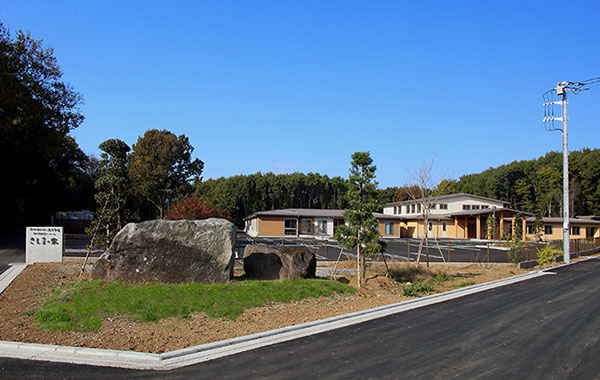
(43,169)
(534,186)
(241,195)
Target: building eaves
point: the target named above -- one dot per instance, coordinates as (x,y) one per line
(314,213)
(445,197)
(488,211)
(431,217)
(560,220)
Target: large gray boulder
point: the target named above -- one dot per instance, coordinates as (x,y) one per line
(170,251)
(268,262)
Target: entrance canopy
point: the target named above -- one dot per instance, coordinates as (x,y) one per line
(471,223)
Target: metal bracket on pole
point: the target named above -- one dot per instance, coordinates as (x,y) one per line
(561,89)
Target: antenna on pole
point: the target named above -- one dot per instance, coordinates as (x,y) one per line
(550,118)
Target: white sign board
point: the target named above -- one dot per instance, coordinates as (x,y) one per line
(44,245)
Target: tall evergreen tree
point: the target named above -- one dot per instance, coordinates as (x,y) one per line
(112,191)
(361,231)
(42,164)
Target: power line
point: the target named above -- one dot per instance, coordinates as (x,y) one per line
(561,89)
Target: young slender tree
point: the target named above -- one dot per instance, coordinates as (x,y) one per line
(361,231)
(423,193)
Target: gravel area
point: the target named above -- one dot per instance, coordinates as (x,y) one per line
(19,301)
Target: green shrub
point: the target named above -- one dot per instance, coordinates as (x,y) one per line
(515,257)
(417,288)
(463,284)
(442,277)
(547,255)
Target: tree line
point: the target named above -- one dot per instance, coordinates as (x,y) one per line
(535,185)
(242,195)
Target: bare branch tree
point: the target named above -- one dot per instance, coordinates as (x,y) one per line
(423,193)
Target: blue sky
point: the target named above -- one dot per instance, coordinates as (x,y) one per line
(288,86)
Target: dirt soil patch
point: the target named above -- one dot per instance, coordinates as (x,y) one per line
(33,286)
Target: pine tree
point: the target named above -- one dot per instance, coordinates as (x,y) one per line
(112,190)
(361,231)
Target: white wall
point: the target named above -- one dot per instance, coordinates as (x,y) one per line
(454,205)
(251,227)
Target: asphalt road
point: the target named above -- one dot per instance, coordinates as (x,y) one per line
(12,249)
(544,328)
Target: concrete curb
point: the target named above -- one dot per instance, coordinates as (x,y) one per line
(10,274)
(585,258)
(210,351)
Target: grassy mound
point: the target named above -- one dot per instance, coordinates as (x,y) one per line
(80,306)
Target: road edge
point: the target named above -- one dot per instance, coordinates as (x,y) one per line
(210,351)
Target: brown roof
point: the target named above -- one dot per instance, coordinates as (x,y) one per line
(314,213)
(560,220)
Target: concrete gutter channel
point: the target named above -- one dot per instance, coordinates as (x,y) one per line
(10,274)
(205,352)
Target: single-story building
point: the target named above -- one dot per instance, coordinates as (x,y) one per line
(453,216)
(582,227)
(304,222)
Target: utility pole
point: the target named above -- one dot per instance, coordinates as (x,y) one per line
(561,89)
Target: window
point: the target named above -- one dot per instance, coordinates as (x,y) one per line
(443,206)
(389,228)
(547,230)
(290,226)
(475,207)
(444,226)
(412,209)
(485,206)
(531,229)
(466,207)
(575,230)
(322,226)
(430,226)
(408,209)
(419,207)
(306,226)
(433,206)
(336,223)
(590,232)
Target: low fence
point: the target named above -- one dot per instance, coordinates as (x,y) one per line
(77,245)
(577,248)
(450,250)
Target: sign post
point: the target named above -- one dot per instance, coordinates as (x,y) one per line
(44,245)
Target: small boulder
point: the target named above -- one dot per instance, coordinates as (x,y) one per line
(268,262)
(170,251)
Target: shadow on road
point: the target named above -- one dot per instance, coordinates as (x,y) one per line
(12,248)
